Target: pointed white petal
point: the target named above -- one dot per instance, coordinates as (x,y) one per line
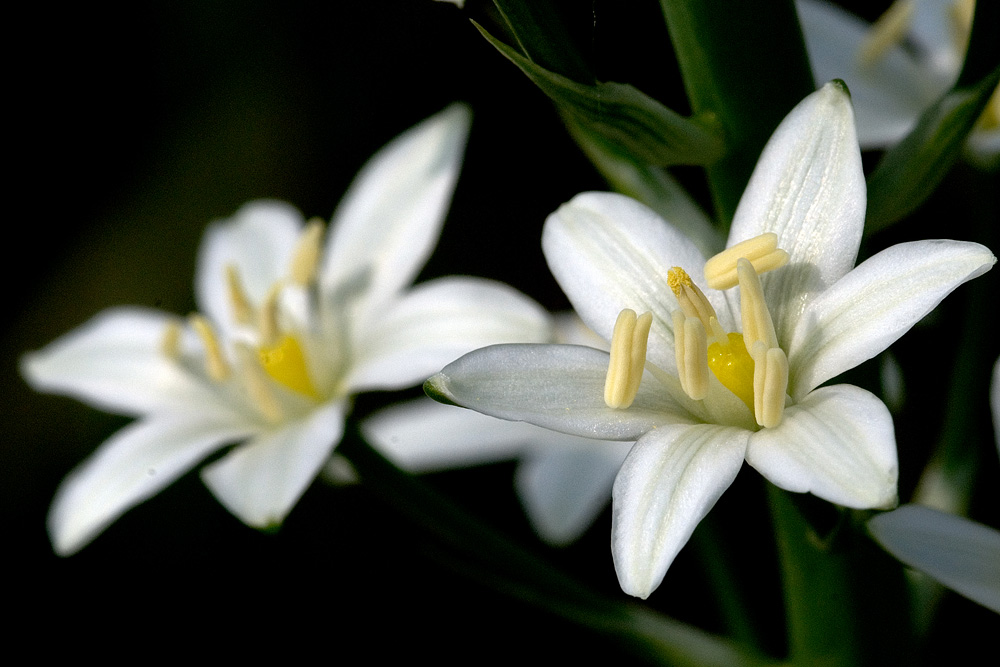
(565,482)
(809,189)
(876,303)
(390,219)
(439,321)
(261,480)
(888,95)
(609,252)
(424,435)
(961,554)
(133,465)
(669,482)
(837,443)
(258,241)
(115,362)
(560,387)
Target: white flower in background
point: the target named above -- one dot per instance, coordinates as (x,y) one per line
(891,85)
(724,378)
(563,481)
(289,330)
(960,553)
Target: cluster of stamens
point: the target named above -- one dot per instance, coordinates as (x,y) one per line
(276,353)
(750,364)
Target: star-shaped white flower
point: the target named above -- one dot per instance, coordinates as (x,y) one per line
(290,329)
(892,86)
(609,253)
(564,481)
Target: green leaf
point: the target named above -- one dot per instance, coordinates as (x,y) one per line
(542,37)
(635,123)
(910,171)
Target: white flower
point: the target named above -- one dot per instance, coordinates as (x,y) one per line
(891,86)
(611,253)
(290,330)
(563,481)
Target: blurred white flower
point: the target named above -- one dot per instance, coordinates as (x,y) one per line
(290,329)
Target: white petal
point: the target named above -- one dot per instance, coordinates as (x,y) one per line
(961,554)
(133,465)
(609,252)
(837,443)
(439,321)
(565,482)
(669,482)
(560,387)
(115,362)
(809,189)
(390,219)
(876,303)
(424,435)
(258,241)
(261,480)
(888,95)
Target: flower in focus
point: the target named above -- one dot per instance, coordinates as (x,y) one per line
(891,86)
(290,327)
(564,481)
(704,379)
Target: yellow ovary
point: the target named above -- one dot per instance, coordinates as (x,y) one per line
(286,364)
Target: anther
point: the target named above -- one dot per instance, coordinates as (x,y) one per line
(215,363)
(255,380)
(757,324)
(628,358)
(770,382)
(242,310)
(692,300)
(762,251)
(170,344)
(887,31)
(267,321)
(305,259)
(691,353)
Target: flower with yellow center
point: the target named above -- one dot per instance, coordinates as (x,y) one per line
(898,66)
(721,362)
(291,326)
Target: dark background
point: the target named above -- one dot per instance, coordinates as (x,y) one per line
(135,127)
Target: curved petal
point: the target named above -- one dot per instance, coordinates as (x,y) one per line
(609,252)
(438,321)
(961,554)
(837,443)
(876,303)
(261,480)
(131,466)
(565,482)
(115,362)
(669,482)
(423,435)
(259,241)
(809,189)
(560,387)
(888,95)
(390,218)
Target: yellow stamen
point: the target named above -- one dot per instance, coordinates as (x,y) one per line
(305,259)
(628,358)
(242,310)
(762,252)
(961,13)
(887,31)
(990,120)
(256,383)
(770,382)
(215,363)
(286,364)
(757,324)
(170,344)
(733,366)
(691,299)
(267,321)
(691,352)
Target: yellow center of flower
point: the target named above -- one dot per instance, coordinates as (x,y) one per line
(733,366)
(286,364)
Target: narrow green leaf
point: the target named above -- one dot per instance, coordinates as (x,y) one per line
(625,117)
(542,37)
(911,170)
